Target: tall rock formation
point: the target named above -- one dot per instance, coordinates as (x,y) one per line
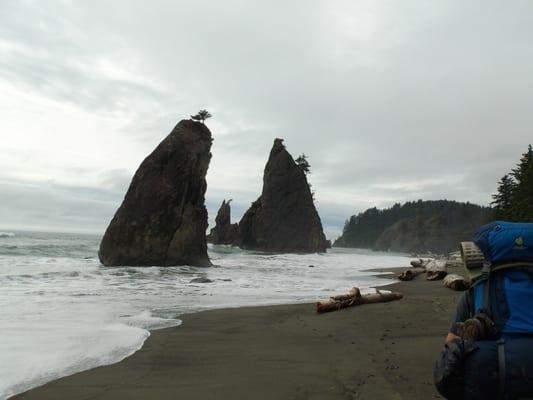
(284,218)
(163,219)
(224,231)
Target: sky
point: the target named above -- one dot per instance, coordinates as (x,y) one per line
(390,100)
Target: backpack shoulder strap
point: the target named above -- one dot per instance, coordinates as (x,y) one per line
(485,276)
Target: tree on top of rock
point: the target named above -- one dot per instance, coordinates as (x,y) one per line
(201,116)
(303,163)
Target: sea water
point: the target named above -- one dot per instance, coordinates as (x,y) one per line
(62,312)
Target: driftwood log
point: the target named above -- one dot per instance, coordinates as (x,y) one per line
(456,282)
(355,298)
(436,270)
(409,274)
(420,263)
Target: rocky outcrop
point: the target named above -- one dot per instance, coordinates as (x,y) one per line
(163,219)
(436,226)
(224,231)
(419,234)
(284,218)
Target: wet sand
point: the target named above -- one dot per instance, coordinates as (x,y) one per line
(374,351)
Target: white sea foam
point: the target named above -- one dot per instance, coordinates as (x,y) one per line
(62,312)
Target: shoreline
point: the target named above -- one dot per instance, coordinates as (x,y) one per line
(383,350)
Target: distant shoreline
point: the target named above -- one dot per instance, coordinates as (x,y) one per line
(381,351)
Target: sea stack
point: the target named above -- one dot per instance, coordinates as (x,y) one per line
(163,219)
(224,231)
(284,218)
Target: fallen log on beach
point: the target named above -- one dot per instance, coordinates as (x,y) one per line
(436,270)
(420,263)
(409,274)
(355,298)
(456,282)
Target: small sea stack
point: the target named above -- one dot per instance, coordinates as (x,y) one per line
(163,219)
(284,217)
(224,231)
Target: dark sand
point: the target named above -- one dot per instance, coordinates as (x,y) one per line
(375,351)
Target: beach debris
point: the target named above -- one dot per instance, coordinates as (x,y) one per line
(409,274)
(436,270)
(201,280)
(355,298)
(420,263)
(456,282)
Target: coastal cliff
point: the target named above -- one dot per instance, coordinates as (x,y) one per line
(284,217)
(435,226)
(163,219)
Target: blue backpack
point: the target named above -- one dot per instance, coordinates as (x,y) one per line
(505,243)
(502,367)
(505,290)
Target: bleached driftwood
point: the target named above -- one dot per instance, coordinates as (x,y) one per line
(420,263)
(409,274)
(456,282)
(354,298)
(436,270)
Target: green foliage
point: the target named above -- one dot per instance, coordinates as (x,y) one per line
(201,116)
(303,163)
(513,200)
(503,199)
(456,222)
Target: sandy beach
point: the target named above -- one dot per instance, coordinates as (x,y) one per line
(376,351)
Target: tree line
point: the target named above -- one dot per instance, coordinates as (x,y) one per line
(513,200)
(453,218)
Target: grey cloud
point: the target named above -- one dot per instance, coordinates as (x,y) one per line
(432,95)
(117,180)
(49,207)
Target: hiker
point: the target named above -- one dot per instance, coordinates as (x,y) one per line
(489,349)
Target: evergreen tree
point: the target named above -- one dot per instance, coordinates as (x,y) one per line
(201,116)
(503,199)
(520,171)
(303,163)
(521,206)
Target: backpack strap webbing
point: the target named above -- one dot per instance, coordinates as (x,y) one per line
(485,275)
(486,298)
(501,367)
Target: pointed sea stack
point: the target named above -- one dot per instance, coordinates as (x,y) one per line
(224,231)
(163,219)
(284,218)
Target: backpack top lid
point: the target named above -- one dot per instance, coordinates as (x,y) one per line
(505,243)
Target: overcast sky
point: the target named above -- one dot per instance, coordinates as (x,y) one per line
(391,100)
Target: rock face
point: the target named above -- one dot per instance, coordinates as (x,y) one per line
(284,218)
(436,226)
(163,219)
(224,231)
(420,234)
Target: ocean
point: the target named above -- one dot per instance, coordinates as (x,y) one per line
(62,312)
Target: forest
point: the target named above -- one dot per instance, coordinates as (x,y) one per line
(513,200)
(439,225)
